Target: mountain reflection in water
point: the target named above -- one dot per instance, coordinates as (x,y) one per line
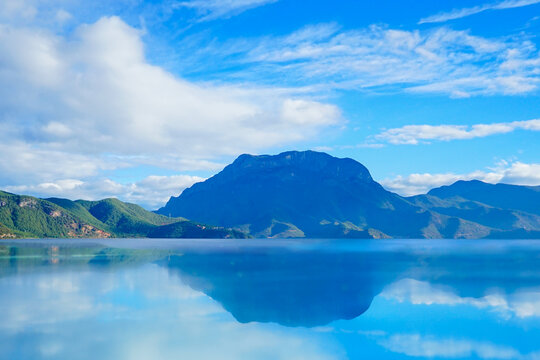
(269,299)
(313,288)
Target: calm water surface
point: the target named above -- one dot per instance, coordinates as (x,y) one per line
(272,299)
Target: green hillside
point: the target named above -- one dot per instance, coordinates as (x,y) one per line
(122,219)
(29,217)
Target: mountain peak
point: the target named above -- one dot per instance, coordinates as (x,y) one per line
(293,162)
(458,187)
(516,197)
(297,193)
(313,194)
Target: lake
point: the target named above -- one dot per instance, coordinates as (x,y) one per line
(269,299)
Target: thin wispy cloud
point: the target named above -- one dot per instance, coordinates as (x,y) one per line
(377,59)
(417,345)
(464,12)
(416,134)
(215,9)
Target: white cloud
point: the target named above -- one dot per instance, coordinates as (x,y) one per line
(157,317)
(214,9)
(523,303)
(17,8)
(73,106)
(461,13)
(98,89)
(520,173)
(303,112)
(428,346)
(57,296)
(415,134)
(151,192)
(510,173)
(377,58)
(24,163)
(62,16)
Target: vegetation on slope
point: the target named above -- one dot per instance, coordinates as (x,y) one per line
(26,216)
(188,229)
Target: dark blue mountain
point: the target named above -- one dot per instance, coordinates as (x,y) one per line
(511,211)
(503,196)
(313,194)
(245,282)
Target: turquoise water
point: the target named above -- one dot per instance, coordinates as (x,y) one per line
(271,299)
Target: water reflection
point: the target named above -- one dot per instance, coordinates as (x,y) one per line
(524,302)
(314,288)
(301,301)
(288,288)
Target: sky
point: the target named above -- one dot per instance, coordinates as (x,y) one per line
(140,99)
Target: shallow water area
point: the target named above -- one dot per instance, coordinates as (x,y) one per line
(269,299)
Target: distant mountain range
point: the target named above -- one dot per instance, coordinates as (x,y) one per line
(293,194)
(30,217)
(312,194)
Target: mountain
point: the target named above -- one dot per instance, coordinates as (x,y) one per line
(312,194)
(504,196)
(26,216)
(293,194)
(512,211)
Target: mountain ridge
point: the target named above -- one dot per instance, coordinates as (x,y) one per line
(292,194)
(24,216)
(313,194)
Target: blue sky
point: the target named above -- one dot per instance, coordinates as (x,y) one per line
(140,99)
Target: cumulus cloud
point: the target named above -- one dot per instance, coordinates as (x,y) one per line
(97,93)
(156,317)
(151,192)
(523,303)
(380,59)
(415,134)
(510,173)
(214,9)
(75,105)
(101,92)
(54,297)
(464,12)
